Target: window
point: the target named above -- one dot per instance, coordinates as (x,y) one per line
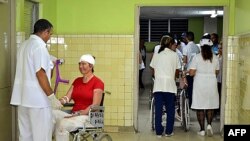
(30,16)
(158,28)
(151,30)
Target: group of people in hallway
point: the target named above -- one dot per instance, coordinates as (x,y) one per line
(202,65)
(39,111)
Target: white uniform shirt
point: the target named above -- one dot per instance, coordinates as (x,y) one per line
(180,56)
(165,64)
(183,45)
(31,57)
(156,49)
(190,51)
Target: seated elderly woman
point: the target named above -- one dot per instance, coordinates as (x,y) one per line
(85,91)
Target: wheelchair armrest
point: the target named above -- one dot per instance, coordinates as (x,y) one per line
(95,107)
(68,104)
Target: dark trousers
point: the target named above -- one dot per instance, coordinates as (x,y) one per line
(217,111)
(190,80)
(167,99)
(141,85)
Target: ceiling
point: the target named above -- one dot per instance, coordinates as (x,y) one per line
(165,12)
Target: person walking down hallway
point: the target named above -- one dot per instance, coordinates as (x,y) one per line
(219,77)
(215,40)
(165,65)
(142,61)
(32,93)
(204,68)
(189,52)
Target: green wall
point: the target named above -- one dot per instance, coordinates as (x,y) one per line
(106,17)
(95,16)
(19,15)
(196,25)
(48,10)
(242,20)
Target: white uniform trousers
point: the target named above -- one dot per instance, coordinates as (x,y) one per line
(35,124)
(65,125)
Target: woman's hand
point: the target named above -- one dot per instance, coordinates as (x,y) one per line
(78,113)
(64,100)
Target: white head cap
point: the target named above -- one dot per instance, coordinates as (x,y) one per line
(87,58)
(206,42)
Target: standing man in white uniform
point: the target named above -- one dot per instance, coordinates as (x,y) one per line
(189,52)
(32,93)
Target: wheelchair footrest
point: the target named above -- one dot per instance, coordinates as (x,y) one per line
(76,131)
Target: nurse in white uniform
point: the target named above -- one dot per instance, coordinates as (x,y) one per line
(204,68)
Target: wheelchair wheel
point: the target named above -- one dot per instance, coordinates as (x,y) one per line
(103,137)
(187,117)
(183,115)
(150,99)
(152,114)
(185,111)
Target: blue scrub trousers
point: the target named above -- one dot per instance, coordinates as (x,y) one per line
(167,99)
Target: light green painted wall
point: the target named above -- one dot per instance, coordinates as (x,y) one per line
(107,17)
(242,20)
(19,15)
(49,12)
(196,25)
(95,16)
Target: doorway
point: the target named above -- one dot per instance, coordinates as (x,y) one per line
(192,14)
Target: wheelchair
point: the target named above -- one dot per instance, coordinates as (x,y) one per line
(94,126)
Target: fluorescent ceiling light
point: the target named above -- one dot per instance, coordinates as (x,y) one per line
(219,12)
(214,14)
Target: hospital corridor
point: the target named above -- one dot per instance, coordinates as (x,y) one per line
(145,132)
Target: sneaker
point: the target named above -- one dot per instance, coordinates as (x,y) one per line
(209,130)
(201,133)
(159,136)
(169,135)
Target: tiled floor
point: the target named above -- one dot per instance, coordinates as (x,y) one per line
(146,134)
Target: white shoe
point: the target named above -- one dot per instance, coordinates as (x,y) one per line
(159,136)
(209,130)
(169,135)
(201,133)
